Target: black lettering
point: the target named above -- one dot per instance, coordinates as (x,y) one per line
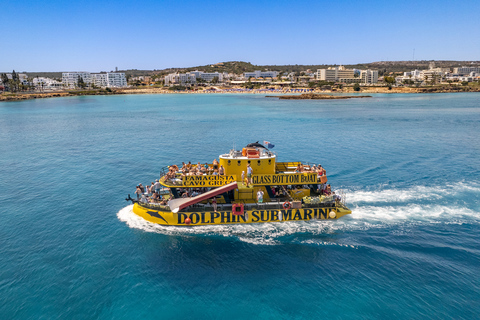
(323,214)
(274,215)
(287,215)
(194,217)
(225,216)
(181,218)
(264,214)
(203,218)
(307,213)
(297,215)
(255,216)
(213,216)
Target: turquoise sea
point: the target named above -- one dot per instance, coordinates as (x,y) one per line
(70,247)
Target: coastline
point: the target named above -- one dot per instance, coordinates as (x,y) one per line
(7,96)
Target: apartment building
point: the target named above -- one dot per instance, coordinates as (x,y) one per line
(191,77)
(260,74)
(369,76)
(334,74)
(101,80)
(466,70)
(70,79)
(116,80)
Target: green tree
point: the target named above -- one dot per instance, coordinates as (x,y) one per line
(389,80)
(81,83)
(14,82)
(5,79)
(356,86)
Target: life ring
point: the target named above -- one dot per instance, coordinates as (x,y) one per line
(332,214)
(238,209)
(287,205)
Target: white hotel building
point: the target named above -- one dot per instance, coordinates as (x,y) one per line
(340,74)
(260,74)
(102,80)
(191,77)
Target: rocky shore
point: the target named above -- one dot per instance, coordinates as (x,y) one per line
(7,96)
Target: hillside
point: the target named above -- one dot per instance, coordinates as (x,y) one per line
(239,67)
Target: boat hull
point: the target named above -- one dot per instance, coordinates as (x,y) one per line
(197,218)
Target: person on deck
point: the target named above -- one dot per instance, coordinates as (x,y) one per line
(249,174)
(157,186)
(214,204)
(138,191)
(260,196)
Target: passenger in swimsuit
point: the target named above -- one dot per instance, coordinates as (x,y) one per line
(214,204)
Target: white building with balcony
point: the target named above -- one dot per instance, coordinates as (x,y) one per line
(466,70)
(70,79)
(369,76)
(333,74)
(260,74)
(116,80)
(46,84)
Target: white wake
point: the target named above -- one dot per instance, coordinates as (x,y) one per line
(370,209)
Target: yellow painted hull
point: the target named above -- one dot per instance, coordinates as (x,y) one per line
(227,217)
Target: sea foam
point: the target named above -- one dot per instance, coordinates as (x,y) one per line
(370,209)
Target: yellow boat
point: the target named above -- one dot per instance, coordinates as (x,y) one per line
(224,193)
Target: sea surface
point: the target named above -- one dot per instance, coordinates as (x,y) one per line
(71,248)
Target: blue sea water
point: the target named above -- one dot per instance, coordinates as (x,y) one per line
(71,248)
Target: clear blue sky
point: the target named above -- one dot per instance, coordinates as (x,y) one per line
(96,35)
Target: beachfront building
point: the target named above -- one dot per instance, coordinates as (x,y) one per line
(100,80)
(260,74)
(369,76)
(191,77)
(466,70)
(116,80)
(208,77)
(180,78)
(334,74)
(343,75)
(46,84)
(70,79)
(109,80)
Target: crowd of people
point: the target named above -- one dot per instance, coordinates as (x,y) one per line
(309,169)
(150,193)
(189,169)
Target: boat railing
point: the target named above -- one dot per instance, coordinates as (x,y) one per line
(291,166)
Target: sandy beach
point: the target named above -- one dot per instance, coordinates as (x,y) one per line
(7,96)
